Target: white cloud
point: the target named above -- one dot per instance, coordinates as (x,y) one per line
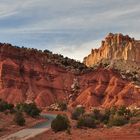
(77,52)
(61,23)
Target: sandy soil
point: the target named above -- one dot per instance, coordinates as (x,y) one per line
(127,132)
(8,126)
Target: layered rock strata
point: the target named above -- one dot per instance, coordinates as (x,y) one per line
(115,47)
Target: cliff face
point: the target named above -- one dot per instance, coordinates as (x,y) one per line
(106,88)
(25,76)
(115,47)
(28,75)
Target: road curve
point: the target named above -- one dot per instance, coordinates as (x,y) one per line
(39,128)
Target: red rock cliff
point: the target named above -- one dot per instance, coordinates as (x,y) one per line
(117,47)
(106,88)
(26,75)
(29,75)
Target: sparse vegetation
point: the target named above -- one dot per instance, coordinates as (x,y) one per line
(5,106)
(78,112)
(109,117)
(30,109)
(61,123)
(50,58)
(62,105)
(86,121)
(19,118)
(117,120)
(18,111)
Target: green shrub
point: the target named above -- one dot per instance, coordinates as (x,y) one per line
(62,106)
(136,113)
(77,113)
(113,110)
(61,123)
(123,111)
(10,106)
(31,109)
(117,120)
(20,107)
(19,119)
(5,106)
(106,116)
(86,121)
(96,114)
(134,120)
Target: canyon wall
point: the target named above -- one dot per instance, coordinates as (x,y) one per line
(28,75)
(115,47)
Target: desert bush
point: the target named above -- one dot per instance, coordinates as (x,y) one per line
(117,120)
(62,106)
(30,109)
(86,121)
(19,118)
(60,123)
(105,116)
(123,111)
(20,107)
(5,106)
(96,114)
(134,120)
(113,110)
(77,113)
(135,113)
(10,106)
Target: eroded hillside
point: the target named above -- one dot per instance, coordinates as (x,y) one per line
(29,75)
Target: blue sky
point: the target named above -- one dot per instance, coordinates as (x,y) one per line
(69,27)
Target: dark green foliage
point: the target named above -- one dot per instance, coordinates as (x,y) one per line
(123,111)
(47,51)
(110,117)
(100,116)
(5,106)
(10,106)
(113,110)
(20,107)
(86,121)
(117,120)
(106,116)
(79,111)
(61,123)
(31,109)
(62,106)
(119,116)
(96,114)
(19,118)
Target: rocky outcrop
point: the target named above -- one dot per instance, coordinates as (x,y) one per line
(106,88)
(28,75)
(115,47)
